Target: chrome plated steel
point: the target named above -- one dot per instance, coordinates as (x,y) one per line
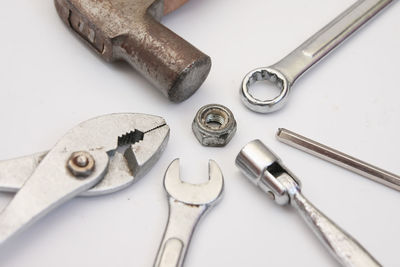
(125,167)
(48,182)
(262,167)
(339,158)
(187,204)
(285,72)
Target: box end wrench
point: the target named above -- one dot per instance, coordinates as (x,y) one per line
(284,73)
(187,204)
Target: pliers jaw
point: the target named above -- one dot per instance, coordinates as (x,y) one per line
(128,162)
(119,147)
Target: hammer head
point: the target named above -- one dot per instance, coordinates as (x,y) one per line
(129,30)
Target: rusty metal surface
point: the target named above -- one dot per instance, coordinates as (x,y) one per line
(214,125)
(131,31)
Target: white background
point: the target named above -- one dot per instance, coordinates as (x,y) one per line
(51,81)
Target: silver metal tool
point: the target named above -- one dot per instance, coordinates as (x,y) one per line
(124,168)
(262,167)
(99,156)
(285,72)
(187,204)
(339,158)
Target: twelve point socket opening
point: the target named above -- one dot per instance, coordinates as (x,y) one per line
(265,75)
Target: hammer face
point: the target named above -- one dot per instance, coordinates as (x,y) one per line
(129,30)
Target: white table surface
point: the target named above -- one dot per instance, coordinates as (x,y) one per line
(50,81)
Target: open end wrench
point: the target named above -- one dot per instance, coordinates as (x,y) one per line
(284,73)
(187,204)
(262,167)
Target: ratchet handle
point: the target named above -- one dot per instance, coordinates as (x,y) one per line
(326,39)
(178,233)
(344,247)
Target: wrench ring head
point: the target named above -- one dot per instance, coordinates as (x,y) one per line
(268,105)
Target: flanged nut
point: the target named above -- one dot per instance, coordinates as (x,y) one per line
(214,125)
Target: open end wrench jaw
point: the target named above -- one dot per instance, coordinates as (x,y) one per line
(194,194)
(187,205)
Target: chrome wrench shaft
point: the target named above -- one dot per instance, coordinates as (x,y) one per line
(181,224)
(285,72)
(187,204)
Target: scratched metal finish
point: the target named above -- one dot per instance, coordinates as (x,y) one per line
(266,170)
(131,31)
(343,247)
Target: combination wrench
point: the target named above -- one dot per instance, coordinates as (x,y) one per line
(187,204)
(284,73)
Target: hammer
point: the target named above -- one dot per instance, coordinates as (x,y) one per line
(130,30)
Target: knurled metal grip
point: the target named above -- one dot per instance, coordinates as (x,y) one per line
(130,30)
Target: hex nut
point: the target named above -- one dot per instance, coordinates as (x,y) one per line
(81,164)
(214,125)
